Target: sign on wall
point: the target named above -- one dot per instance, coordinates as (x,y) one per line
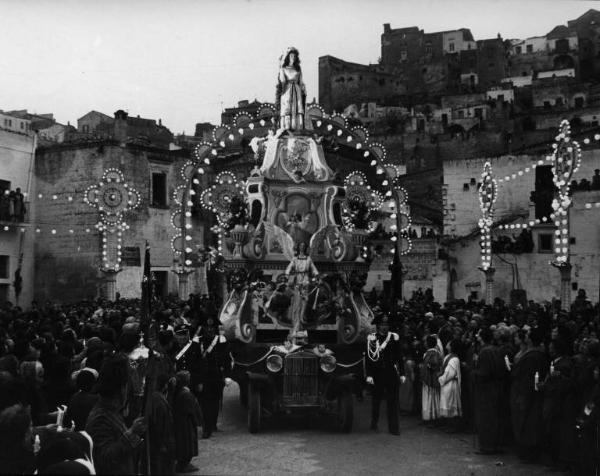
(130,256)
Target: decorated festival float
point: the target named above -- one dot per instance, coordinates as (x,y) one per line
(294,238)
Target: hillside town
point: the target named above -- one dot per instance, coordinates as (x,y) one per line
(421,230)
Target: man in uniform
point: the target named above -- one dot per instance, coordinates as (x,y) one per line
(189,357)
(215,366)
(384,371)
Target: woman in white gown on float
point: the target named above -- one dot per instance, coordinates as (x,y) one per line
(291,91)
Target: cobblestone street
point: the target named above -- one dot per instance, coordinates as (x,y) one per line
(297,446)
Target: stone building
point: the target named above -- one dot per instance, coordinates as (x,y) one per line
(88,123)
(69,245)
(587,27)
(17,152)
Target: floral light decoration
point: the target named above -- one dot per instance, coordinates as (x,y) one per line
(566,160)
(402,216)
(360,201)
(227,199)
(487,199)
(112,197)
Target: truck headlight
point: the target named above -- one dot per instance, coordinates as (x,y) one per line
(274,363)
(328,363)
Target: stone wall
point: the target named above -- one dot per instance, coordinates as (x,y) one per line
(67,261)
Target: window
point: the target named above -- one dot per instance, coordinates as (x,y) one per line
(547,104)
(4,293)
(572,240)
(461,114)
(22,125)
(501,97)
(574,286)
(559,101)
(529,48)
(86,128)
(451,47)
(544,191)
(579,101)
(466,187)
(518,50)
(478,112)
(545,243)
(403,55)
(159,190)
(10,123)
(428,47)
(4,273)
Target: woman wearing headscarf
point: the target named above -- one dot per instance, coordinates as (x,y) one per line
(430,371)
(187,417)
(450,382)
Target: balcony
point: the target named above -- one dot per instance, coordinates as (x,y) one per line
(13,213)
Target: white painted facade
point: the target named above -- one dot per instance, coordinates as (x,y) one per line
(14,124)
(17,153)
(506,94)
(453,42)
(531,270)
(557,73)
(519,81)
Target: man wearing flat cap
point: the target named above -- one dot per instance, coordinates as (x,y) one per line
(384,371)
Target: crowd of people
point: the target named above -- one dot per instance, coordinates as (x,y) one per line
(95,388)
(76,393)
(522,377)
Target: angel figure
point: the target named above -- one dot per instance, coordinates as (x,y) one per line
(301,269)
(291,92)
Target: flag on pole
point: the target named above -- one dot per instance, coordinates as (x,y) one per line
(146,293)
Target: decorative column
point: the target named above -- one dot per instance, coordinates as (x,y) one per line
(489,284)
(183,274)
(110,281)
(565,284)
(566,160)
(488,192)
(112,197)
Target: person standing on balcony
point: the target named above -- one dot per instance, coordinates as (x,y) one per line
(19,206)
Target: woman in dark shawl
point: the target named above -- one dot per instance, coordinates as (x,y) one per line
(187,417)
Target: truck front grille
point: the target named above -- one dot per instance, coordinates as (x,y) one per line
(301,379)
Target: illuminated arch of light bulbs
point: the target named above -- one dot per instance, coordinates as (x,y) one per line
(243,124)
(112,197)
